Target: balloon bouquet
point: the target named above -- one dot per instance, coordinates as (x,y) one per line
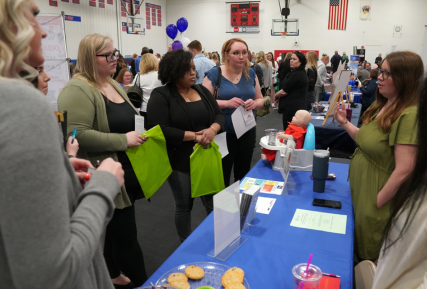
(172,32)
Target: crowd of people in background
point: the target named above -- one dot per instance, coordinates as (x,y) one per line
(46,214)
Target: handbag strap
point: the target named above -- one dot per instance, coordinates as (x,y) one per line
(218,82)
(137,80)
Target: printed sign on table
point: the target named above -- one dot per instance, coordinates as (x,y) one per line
(53,45)
(53,3)
(92,3)
(101,5)
(124,14)
(110,2)
(76,1)
(58,70)
(65,0)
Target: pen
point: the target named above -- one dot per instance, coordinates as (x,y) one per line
(271,203)
(74,135)
(331,275)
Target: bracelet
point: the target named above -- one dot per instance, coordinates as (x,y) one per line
(70,156)
(214,129)
(345,122)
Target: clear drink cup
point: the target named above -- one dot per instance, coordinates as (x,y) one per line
(311,280)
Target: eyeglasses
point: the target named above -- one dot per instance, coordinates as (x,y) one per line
(386,74)
(244,53)
(110,56)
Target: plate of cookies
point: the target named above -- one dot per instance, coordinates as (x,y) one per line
(205,275)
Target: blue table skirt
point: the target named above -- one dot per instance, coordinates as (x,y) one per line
(356,99)
(274,247)
(333,136)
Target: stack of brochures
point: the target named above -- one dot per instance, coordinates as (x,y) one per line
(247,206)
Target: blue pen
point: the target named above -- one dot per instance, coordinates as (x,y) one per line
(74,135)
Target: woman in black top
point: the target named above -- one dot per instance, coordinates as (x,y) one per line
(292,96)
(284,69)
(187,113)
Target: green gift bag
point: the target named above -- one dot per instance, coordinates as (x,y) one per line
(150,161)
(206,171)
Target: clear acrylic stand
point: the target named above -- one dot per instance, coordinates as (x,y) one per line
(289,186)
(229,250)
(246,221)
(227,223)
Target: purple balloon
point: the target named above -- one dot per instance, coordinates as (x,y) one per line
(176,45)
(171,31)
(182,24)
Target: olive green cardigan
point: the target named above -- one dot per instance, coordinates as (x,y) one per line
(86,111)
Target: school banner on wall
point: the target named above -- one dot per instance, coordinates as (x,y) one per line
(152,13)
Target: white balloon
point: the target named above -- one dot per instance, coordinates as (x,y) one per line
(185,41)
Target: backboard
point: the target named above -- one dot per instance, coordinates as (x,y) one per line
(136,25)
(285,25)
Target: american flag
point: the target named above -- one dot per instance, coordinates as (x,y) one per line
(338,14)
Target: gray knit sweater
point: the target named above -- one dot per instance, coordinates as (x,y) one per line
(50,229)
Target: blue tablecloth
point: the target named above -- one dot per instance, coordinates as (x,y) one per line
(334,137)
(356,98)
(275,247)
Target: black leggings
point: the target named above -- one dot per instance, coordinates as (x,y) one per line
(122,252)
(180,184)
(240,153)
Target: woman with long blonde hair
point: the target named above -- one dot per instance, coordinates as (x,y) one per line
(105,120)
(267,73)
(239,87)
(147,79)
(322,76)
(50,227)
(311,68)
(387,144)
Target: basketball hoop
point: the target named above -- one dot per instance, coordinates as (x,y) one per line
(283,34)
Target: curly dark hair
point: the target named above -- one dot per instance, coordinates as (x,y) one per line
(174,65)
(302,60)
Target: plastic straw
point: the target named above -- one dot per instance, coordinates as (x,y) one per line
(301,285)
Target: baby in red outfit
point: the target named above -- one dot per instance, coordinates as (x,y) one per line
(296,129)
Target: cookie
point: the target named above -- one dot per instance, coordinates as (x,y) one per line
(233,275)
(235,286)
(180,284)
(235,270)
(174,277)
(194,272)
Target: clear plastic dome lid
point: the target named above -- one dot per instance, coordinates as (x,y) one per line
(314,272)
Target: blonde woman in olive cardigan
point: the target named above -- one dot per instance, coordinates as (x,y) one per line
(105,120)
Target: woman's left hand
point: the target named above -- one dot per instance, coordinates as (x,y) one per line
(80,167)
(250,104)
(207,136)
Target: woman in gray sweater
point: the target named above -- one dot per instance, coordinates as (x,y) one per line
(50,229)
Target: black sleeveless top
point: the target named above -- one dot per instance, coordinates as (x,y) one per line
(121,119)
(199,114)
